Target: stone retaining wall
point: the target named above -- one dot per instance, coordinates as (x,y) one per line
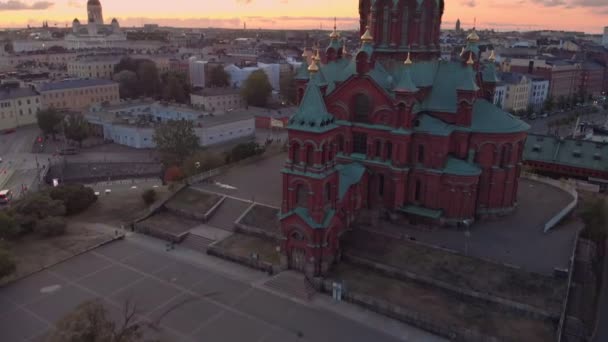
(263,266)
(396,273)
(409,316)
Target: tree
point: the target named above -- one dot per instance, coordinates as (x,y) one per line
(175,87)
(549,104)
(176,139)
(90,322)
(49,120)
(148,80)
(288,88)
(51,226)
(243,151)
(9,229)
(200,162)
(562,102)
(127,82)
(149,196)
(7,263)
(76,128)
(75,197)
(257,89)
(173,174)
(218,77)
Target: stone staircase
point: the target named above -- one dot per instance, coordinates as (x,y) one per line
(228,212)
(292,284)
(196,243)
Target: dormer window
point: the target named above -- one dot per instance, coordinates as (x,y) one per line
(536,148)
(576,153)
(597,156)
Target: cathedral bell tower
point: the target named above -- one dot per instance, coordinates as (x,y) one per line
(94,12)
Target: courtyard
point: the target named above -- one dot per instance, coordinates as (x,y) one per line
(514,239)
(186,301)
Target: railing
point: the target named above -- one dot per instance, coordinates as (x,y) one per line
(567,186)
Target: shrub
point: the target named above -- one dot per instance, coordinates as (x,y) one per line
(75,197)
(9,228)
(35,207)
(7,263)
(149,196)
(51,226)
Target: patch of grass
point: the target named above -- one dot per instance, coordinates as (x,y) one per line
(458,270)
(262,217)
(245,245)
(443,309)
(194,201)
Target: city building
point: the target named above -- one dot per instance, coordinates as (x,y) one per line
(605,37)
(592,79)
(539,91)
(397,132)
(568,158)
(133,123)
(94,33)
(61,59)
(197,72)
(18,107)
(238,75)
(499,94)
(95,67)
(218,100)
(563,75)
(517,97)
(78,94)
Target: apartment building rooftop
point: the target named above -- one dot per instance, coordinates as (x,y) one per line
(74,83)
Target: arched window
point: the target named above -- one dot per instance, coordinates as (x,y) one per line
(301,196)
(324,155)
(296,153)
(389,151)
(328,192)
(378,149)
(381,185)
(505,155)
(363,108)
(340,141)
(310,155)
(405,24)
(418,191)
(421,153)
(386,21)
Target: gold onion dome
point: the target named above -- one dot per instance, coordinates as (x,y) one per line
(344,50)
(408,60)
(492,57)
(367,36)
(317,56)
(473,36)
(313,68)
(470,61)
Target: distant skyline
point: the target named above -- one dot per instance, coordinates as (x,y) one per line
(576,15)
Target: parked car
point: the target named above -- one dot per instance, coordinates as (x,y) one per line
(68,151)
(5,197)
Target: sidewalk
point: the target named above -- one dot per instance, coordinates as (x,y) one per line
(320,301)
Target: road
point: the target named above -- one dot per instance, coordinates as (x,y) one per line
(601,333)
(540,125)
(20,167)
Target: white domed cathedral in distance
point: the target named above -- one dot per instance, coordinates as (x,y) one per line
(94,33)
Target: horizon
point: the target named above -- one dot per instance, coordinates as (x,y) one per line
(566,15)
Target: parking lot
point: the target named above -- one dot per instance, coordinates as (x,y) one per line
(189,302)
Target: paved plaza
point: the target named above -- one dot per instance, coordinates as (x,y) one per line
(190,302)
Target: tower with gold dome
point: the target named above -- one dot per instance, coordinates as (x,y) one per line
(394,131)
(94,33)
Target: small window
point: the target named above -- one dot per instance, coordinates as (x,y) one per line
(576,154)
(420,153)
(536,148)
(363,108)
(360,143)
(597,156)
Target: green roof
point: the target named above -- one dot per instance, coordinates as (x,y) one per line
(431,125)
(468,80)
(305,216)
(488,118)
(422,211)
(312,115)
(349,174)
(302,73)
(459,167)
(443,96)
(405,82)
(489,74)
(577,153)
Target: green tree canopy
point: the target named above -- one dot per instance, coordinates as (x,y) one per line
(175,87)
(549,104)
(257,89)
(9,229)
(49,120)
(288,88)
(127,82)
(7,263)
(75,197)
(76,128)
(218,77)
(177,140)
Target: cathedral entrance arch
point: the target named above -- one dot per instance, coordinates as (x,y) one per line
(297,261)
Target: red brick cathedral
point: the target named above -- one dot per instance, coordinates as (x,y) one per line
(394,129)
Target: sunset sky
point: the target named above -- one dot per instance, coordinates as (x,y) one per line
(582,15)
